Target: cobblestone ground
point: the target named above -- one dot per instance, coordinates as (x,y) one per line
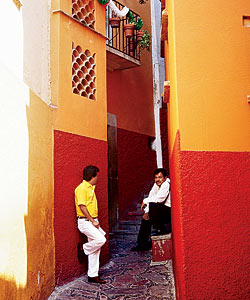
(129,275)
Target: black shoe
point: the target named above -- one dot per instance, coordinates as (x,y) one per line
(140,248)
(80,253)
(96,279)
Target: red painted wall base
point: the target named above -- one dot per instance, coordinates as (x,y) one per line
(210,223)
(71,154)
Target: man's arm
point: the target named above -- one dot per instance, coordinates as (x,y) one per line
(152,192)
(160,196)
(88,216)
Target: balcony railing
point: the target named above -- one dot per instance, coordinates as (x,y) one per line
(117,38)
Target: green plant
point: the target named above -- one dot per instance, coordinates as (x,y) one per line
(144,42)
(131,20)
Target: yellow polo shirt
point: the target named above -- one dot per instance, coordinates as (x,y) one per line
(85,195)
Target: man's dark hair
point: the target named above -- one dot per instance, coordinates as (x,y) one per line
(162,170)
(89,172)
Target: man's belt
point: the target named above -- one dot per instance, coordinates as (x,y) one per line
(79,217)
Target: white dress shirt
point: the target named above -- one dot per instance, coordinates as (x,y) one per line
(159,195)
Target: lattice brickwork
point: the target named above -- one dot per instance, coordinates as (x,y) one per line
(84,11)
(83,73)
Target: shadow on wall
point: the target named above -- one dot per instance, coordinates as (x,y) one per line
(27,244)
(39,220)
(136,164)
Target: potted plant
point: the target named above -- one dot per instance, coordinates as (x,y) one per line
(139,32)
(139,35)
(144,42)
(131,25)
(114,21)
(128,29)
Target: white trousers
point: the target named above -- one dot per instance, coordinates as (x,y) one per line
(92,248)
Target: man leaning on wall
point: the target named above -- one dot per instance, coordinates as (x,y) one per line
(88,224)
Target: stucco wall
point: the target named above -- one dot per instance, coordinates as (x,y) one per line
(71,154)
(80,131)
(26,234)
(136,164)
(36,29)
(211,223)
(209,74)
(130,91)
(130,98)
(209,146)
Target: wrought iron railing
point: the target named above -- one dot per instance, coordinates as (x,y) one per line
(116,36)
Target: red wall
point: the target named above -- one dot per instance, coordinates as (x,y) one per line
(71,153)
(136,164)
(211,232)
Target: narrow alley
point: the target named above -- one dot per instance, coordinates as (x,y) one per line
(129,275)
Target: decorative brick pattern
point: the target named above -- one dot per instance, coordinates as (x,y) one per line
(84,11)
(83,73)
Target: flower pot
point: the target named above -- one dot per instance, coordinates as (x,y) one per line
(128,30)
(139,35)
(114,22)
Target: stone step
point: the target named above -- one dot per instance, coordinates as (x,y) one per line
(124,235)
(132,226)
(135,215)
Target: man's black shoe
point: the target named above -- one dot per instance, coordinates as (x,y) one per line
(96,279)
(80,253)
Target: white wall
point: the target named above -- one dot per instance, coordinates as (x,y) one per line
(36,28)
(14,148)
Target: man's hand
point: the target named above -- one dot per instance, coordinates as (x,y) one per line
(87,214)
(145,216)
(96,224)
(142,205)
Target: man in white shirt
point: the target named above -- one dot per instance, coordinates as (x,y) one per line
(157,211)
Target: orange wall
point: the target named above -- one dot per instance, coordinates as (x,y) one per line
(210,61)
(130,92)
(209,129)
(43,55)
(77,114)
(27,245)
(171,74)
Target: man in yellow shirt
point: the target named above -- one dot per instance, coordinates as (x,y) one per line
(88,224)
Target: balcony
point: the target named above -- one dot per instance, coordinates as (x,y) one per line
(122,52)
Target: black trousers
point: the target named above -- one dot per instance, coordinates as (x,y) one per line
(143,238)
(159,218)
(159,214)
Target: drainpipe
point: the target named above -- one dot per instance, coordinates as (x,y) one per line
(158,77)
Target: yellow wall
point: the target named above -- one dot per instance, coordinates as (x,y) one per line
(77,114)
(36,54)
(171,74)
(211,49)
(26,220)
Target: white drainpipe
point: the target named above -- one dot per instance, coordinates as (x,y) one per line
(158,76)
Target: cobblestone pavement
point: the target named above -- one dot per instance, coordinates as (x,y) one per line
(129,276)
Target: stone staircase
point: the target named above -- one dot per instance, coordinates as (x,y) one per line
(128,229)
